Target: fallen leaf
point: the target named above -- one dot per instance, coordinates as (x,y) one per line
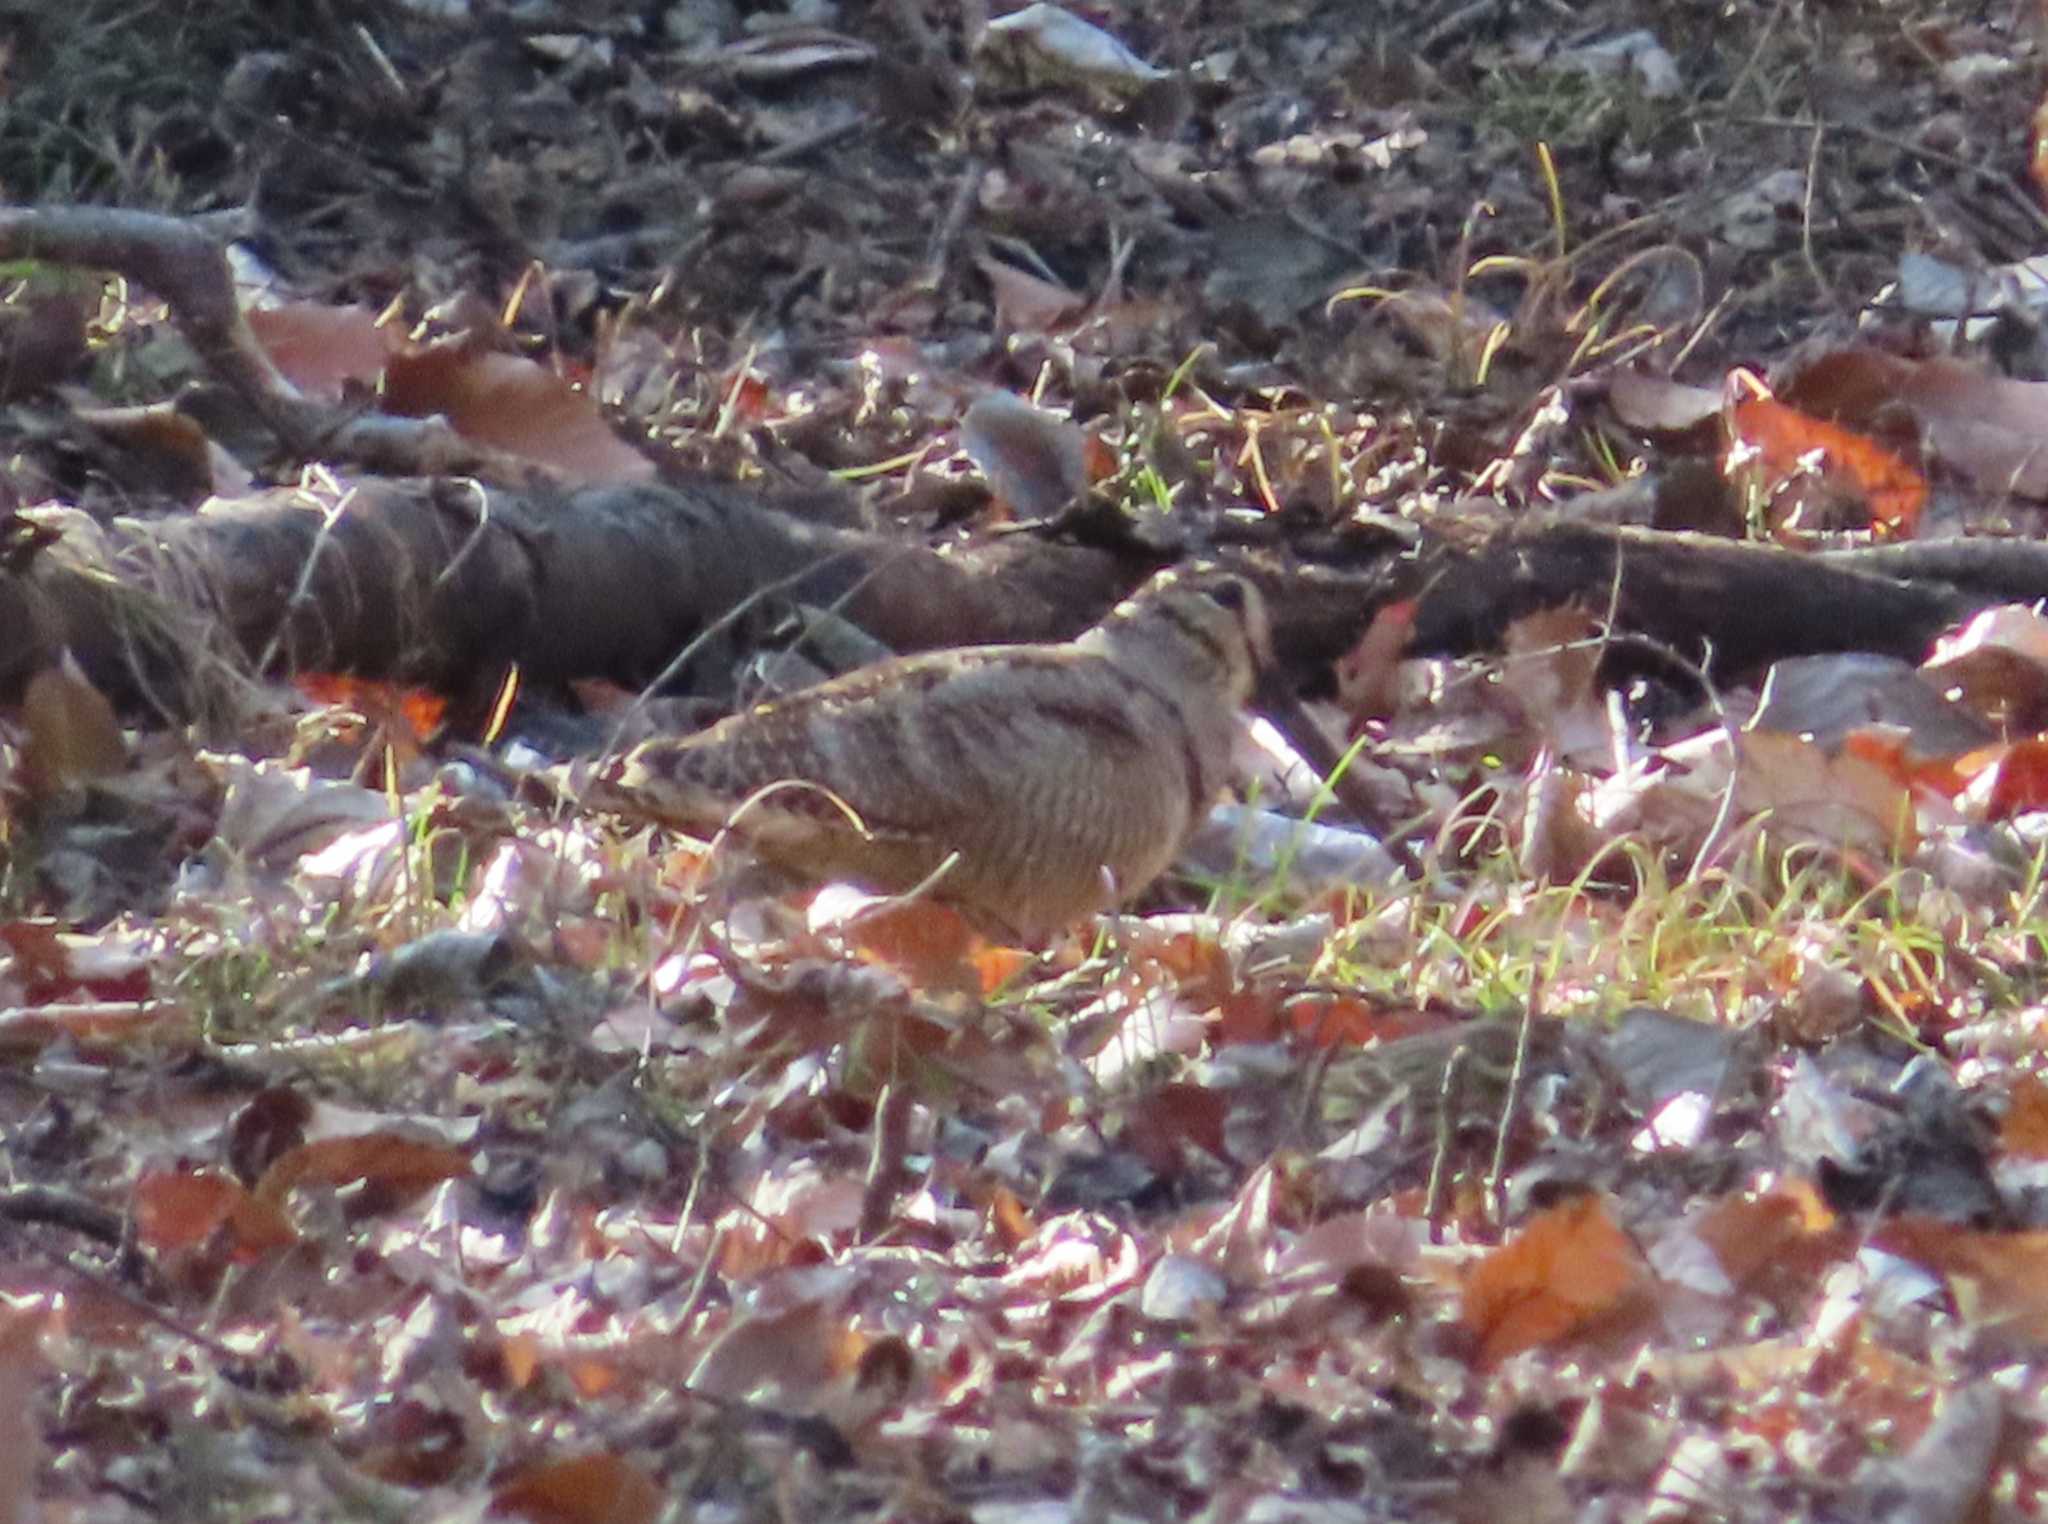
(511,404)
(2023,1130)
(588,1489)
(383,1158)
(1569,1267)
(182,1209)
(1368,686)
(323,350)
(1036,461)
(1788,444)
(73,735)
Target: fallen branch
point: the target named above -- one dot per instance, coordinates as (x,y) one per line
(185,265)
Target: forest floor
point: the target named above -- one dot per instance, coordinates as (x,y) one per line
(1649,1128)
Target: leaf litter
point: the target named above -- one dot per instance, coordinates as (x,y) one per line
(385,1138)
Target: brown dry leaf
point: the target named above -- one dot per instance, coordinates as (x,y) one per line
(1368,675)
(1999,1280)
(1660,406)
(1842,799)
(1163,1122)
(790,1209)
(1776,1243)
(91,1023)
(1567,1269)
(324,351)
(42,341)
(182,1209)
(1025,303)
(414,1444)
(1552,669)
(2023,1130)
(589,1489)
(169,449)
(40,963)
(1554,840)
(1989,428)
(1035,461)
(1998,663)
(21,1437)
(73,735)
(514,405)
(384,1158)
(930,945)
(786,1358)
(274,816)
(1244,1238)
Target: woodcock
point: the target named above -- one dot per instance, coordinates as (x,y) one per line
(1065,777)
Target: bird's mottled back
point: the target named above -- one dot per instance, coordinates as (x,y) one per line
(1043,767)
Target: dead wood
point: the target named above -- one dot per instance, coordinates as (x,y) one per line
(1737,605)
(448,583)
(183,262)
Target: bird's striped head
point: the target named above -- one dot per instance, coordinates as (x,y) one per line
(1205,625)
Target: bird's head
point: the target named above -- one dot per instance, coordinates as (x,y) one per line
(1199,623)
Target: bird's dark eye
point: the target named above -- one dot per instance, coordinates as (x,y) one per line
(1230,594)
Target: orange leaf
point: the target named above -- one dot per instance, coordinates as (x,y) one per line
(93,1022)
(2007,780)
(2024,1128)
(1349,1021)
(998,965)
(1996,1278)
(519,1359)
(591,1489)
(416,713)
(1888,751)
(1786,440)
(591,1377)
(1252,1014)
(1563,1271)
(1010,1218)
(175,1210)
(180,1209)
(377,1156)
(1788,1230)
(930,945)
